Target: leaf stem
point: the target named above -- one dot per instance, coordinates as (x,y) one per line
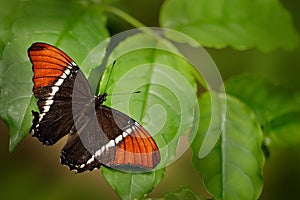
(131,20)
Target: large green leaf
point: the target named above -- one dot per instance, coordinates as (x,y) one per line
(264,98)
(131,185)
(73,26)
(233,169)
(242,24)
(212,119)
(275,107)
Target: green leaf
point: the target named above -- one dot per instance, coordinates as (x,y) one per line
(6,16)
(73,26)
(210,124)
(275,107)
(264,98)
(132,185)
(266,25)
(284,130)
(183,193)
(233,169)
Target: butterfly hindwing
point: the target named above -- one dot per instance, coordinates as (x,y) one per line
(119,142)
(130,145)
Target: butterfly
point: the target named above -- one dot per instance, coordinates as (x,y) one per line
(98,135)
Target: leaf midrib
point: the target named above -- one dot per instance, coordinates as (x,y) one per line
(145,102)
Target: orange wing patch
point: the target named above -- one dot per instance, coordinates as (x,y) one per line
(137,149)
(49,63)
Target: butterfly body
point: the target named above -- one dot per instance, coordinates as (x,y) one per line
(98,135)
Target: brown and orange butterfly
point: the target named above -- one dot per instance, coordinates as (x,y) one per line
(98,135)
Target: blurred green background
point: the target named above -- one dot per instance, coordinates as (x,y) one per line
(33,171)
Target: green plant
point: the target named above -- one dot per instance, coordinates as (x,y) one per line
(259,115)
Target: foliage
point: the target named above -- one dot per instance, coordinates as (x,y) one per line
(227,153)
(236,156)
(240,24)
(182,193)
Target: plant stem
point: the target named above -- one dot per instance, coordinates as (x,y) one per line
(134,22)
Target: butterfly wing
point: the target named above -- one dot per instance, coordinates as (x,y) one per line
(126,144)
(54,77)
(83,143)
(130,145)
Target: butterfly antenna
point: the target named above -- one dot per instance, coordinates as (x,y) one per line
(109,75)
(124,93)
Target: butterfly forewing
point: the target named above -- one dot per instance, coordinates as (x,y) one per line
(54,75)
